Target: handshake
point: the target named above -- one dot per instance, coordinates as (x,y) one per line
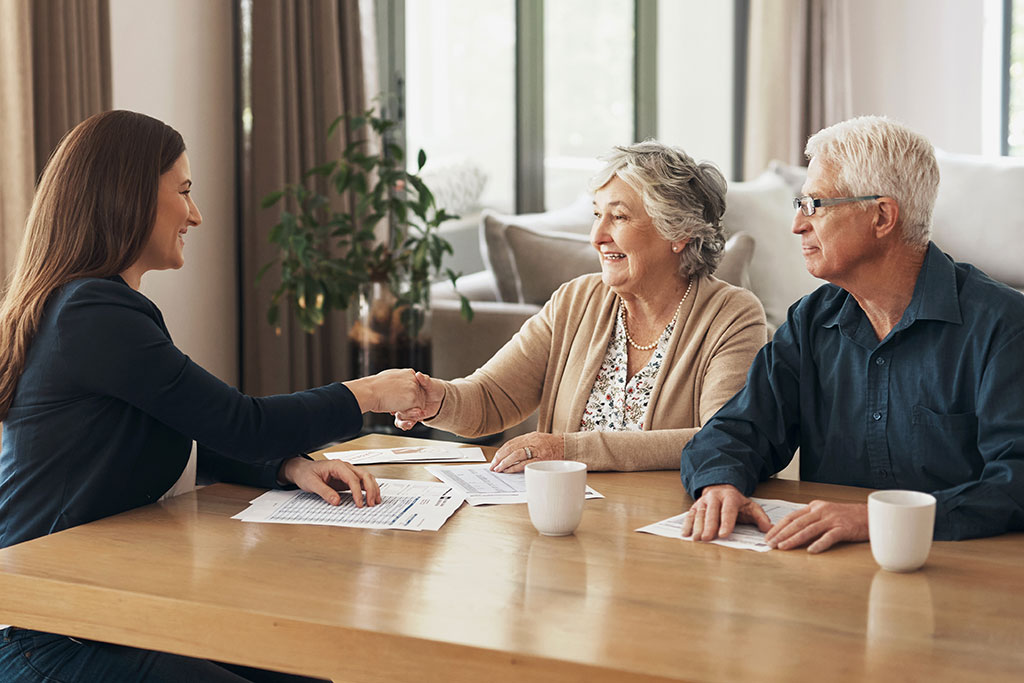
(408,395)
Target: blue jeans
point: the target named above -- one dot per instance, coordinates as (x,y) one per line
(35,657)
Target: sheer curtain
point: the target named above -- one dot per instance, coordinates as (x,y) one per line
(54,72)
(306,69)
(798,77)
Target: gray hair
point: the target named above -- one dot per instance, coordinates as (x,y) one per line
(685,199)
(875,155)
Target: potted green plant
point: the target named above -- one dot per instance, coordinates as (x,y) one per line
(361,232)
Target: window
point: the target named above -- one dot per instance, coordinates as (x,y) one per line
(588,90)
(532,92)
(460,90)
(1014,92)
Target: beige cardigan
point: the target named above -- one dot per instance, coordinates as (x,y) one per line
(552,362)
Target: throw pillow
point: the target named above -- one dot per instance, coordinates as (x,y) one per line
(734,267)
(575,218)
(795,176)
(764,208)
(979,213)
(545,259)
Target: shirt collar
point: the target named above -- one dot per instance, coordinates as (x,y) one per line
(935,294)
(935,297)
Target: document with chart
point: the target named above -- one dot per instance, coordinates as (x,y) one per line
(743,537)
(409,505)
(481,486)
(443,452)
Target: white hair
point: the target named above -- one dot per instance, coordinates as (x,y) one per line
(875,155)
(685,199)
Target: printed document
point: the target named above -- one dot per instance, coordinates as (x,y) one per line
(481,486)
(410,505)
(743,537)
(433,453)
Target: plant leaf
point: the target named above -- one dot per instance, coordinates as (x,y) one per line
(465,309)
(324,169)
(271,199)
(334,125)
(263,271)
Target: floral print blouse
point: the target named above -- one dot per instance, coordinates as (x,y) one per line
(614,404)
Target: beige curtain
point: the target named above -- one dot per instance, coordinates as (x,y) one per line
(17,162)
(307,68)
(54,72)
(798,77)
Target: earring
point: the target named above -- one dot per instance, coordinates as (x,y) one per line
(675,249)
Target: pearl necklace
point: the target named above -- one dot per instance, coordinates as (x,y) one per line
(648,347)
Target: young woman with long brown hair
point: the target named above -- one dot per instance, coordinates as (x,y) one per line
(100,408)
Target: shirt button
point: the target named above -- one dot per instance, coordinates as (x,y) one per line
(876,416)
(879,361)
(884,473)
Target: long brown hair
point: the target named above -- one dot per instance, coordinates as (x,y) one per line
(93,210)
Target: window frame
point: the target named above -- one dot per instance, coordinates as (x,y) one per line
(529,84)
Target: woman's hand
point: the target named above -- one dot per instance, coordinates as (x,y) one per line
(516,454)
(388,391)
(324,477)
(433,394)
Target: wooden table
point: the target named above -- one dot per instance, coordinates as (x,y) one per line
(488,599)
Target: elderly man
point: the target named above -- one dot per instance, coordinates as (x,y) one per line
(904,372)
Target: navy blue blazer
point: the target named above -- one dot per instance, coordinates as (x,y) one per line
(107,407)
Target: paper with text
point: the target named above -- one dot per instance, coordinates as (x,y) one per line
(410,505)
(481,486)
(405,454)
(743,537)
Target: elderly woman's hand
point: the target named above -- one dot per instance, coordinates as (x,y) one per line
(516,454)
(433,395)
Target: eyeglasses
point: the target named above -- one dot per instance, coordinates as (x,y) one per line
(807,205)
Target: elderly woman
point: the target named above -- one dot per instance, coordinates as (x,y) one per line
(626,365)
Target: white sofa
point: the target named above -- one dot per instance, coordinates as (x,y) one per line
(978,218)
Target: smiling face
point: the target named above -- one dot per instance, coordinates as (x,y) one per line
(837,239)
(635,259)
(175,214)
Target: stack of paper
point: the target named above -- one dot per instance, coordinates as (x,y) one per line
(410,505)
(481,486)
(378,456)
(743,537)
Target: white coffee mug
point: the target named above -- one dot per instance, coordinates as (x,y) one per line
(555,491)
(901,525)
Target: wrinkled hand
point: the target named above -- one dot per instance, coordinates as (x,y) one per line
(823,523)
(717,511)
(515,454)
(324,477)
(388,391)
(433,394)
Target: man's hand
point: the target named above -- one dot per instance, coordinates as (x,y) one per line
(717,511)
(822,525)
(388,391)
(324,477)
(433,395)
(515,454)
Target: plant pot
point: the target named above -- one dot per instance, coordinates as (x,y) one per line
(385,331)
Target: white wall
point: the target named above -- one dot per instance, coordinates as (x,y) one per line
(922,62)
(173,60)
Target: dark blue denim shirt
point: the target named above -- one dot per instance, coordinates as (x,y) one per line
(107,407)
(937,406)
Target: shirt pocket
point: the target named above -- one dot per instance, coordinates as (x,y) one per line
(944,447)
